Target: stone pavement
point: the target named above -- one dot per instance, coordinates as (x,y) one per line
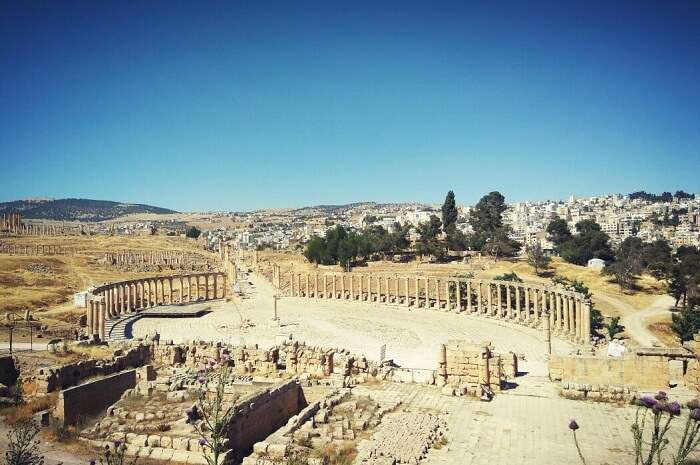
(412,336)
(521,427)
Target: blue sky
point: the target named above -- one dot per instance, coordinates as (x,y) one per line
(233,106)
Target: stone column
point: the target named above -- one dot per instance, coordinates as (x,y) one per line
(527,303)
(182,289)
(479,307)
(387,291)
(352,286)
(586,323)
(448,301)
(334,287)
(361,296)
(89,314)
(570,317)
(101,320)
(552,306)
(489,296)
(407,301)
(509,302)
(140,293)
(316,293)
(458,296)
(306,285)
(535,305)
(437,293)
(576,326)
(417,302)
(499,298)
(547,335)
(127,287)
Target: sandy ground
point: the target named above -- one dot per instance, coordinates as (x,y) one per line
(412,337)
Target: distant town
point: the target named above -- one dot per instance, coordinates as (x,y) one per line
(672,217)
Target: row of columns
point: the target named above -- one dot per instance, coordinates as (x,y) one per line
(568,313)
(148,258)
(116,299)
(17,249)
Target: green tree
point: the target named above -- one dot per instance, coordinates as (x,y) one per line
(590,242)
(536,258)
(559,232)
(490,235)
(657,258)
(627,264)
(193,232)
(686,323)
(428,243)
(614,327)
(486,216)
(449,213)
(684,284)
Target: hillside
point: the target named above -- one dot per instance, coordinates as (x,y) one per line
(76,209)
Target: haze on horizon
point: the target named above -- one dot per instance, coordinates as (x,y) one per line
(240,107)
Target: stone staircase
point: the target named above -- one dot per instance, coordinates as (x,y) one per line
(119,329)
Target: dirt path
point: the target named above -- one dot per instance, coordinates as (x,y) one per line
(634,320)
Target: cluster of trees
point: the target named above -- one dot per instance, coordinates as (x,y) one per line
(344,247)
(193,232)
(436,237)
(590,242)
(664,197)
(684,286)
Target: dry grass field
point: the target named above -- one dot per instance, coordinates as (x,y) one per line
(45,284)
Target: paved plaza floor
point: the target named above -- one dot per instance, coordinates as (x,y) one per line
(526,425)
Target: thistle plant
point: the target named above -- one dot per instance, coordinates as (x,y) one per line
(23,446)
(210,416)
(114,455)
(657,414)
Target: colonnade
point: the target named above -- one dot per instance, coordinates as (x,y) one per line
(567,312)
(113,300)
(41,249)
(152,257)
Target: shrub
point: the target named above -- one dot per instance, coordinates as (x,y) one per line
(23,446)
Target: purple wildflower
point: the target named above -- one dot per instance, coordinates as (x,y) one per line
(693,404)
(673,408)
(92,462)
(695,414)
(202,442)
(661,396)
(647,401)
(117,443)
(573,426)
(658,408)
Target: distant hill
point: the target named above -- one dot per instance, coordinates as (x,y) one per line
(76,209)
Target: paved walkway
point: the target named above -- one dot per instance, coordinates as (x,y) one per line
(520,427)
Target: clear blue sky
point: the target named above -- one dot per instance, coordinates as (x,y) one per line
(221,105)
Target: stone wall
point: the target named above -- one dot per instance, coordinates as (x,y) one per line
(467,367)
(258,415)
(91,398)
(615,378)
(8,370)
(63,376)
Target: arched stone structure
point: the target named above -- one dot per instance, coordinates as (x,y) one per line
(115,300)
(530,304)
